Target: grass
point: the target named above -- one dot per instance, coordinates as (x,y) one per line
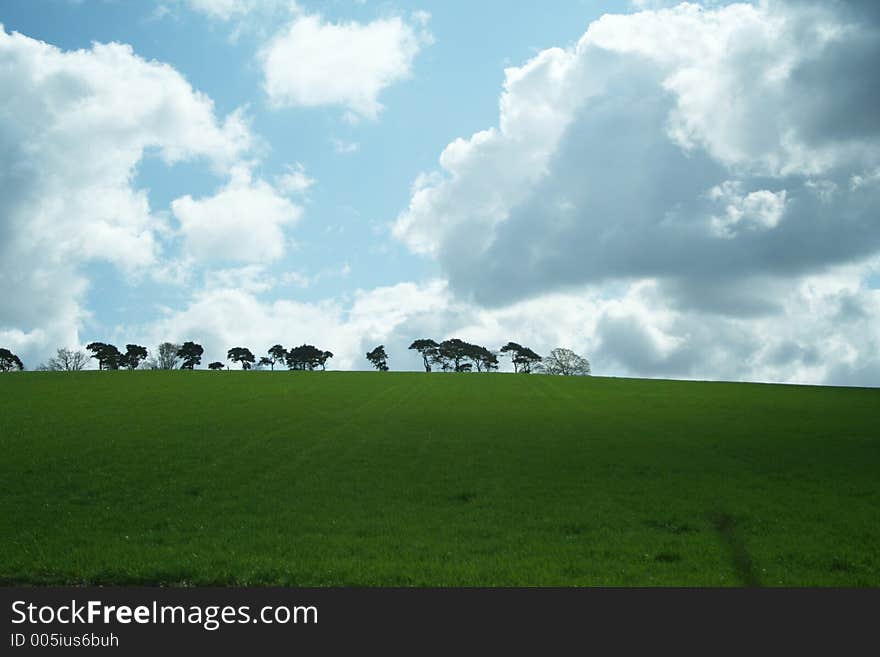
(192,478)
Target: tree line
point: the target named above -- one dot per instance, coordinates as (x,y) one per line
(452,355)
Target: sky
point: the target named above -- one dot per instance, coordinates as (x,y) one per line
(685,191)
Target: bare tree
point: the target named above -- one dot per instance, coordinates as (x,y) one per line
(67,360)
(165,357)
(565,363)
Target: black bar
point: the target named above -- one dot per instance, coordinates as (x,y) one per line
(548,621)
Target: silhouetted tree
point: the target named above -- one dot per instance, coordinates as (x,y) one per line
(523,358)
(216,366)
(191,355)
(9,362)
(265,361)
(277,353)
(133,356)
(378,358)
(107,355)
(482,358)
(307,357)
(241,355)
(67,360)
(428,349)
(453,354)
(565,363)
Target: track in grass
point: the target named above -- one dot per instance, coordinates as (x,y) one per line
(411,479)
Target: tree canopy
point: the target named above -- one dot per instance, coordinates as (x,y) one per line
(378,358)
(523,358)
(278,354)
(241,355)
(9,362)
(133,356)
(67,360)
(191,355)
(565,362)
(307,357)
(107,355)
(428,349)
(216,365)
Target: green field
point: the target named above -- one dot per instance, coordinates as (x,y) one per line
(191,478)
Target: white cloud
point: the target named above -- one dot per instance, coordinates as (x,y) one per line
(312,62)
(759,210)
(702,170)
(223,10)
(822,333)
(73,127)
(295,181)
(243,222)
(345,147)
(605,156)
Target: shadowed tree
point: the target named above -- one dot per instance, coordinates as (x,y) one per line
(428,349)
(241,355)
(482,358)
(453,354)
(265,361)
(278,354)
(67,360)
(216,366)
(565,362)
(133,356)
(523,358)
(378,358)
(307,357)
(190,354)
(107,355)
(9,362)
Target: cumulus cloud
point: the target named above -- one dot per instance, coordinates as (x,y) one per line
(244,221)
(313,62)
(676,143)
(720,156)
(73,127)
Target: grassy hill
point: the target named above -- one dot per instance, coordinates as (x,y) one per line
(413,479)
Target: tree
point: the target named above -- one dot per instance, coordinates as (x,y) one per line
(523,358)
(453,356)
(191,355)
(107,355)
(278,354)
(565,363)
(67,360)
(133,356)
(216,366)
(9,362)
(165,357)
(241,355)
(428,349)
(307,357)
(482,358)
(378,358)
(265,361)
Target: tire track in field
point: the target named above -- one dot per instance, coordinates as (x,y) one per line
(740,559)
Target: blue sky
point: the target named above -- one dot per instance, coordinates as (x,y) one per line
(542,219)
(455,82)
